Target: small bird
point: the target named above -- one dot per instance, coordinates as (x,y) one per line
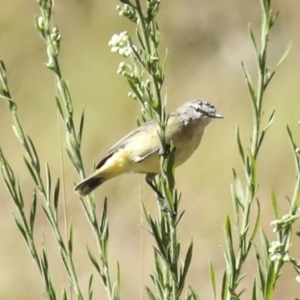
(139,150)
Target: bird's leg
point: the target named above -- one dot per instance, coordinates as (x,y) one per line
(164,151)
(149,179)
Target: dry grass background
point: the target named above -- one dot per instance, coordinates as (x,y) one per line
(206,41)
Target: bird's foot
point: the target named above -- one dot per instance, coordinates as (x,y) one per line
(160,198)
(166,150)
(149,179)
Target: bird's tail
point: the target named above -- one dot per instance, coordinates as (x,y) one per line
(88,185)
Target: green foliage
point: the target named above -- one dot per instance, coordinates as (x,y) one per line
(51,198)
(271,258)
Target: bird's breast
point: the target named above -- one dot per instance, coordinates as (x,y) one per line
(141,153)
(187,141)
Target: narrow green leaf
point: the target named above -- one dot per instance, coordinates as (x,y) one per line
(9,180)
(35,155)
(58,105)
(264,245)
(32,172)
(146,214)
(19,135)
(33,211)
(93,260)
(252,165)
(70,241)
(252,38)
(47,214)
(283,57)
(44,259)
(268,78)
(135,89)
(150,294)
(249,84)
(241,277)
(115,291)
(56,195)
(236,203)
(238,188)
(227,259)
(104,234)
(11,189)
(140,39)
(48,184)
(66,92)
(229,244)
(81,126)
(90,290)
(291,137)
(20,198)
(294,148)
(274,205)
(270,283)
(179,218)
(73,159)
(138,122)
(264,131)
(256,224)
(65,260)
(103,222)
(158,265)
(271,120)
(194,293)
(240,293)
(64,296)
(261,268)
(156,235)
(213,279)
(104,229)
(159,286)
(21,228)
(5,166)
(260,140)
(164,66)
(239,143)
(187,262)
(238,193)
(2,68)
(118,274)
(139,59)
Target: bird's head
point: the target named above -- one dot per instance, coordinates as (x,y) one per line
(198,110)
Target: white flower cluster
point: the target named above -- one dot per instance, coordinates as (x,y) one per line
(121,44)
(286,220)
(277,252)
(124,69)
(127,11)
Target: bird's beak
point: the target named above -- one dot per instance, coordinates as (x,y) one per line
(217,116)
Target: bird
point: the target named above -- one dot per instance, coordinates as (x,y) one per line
(139,151)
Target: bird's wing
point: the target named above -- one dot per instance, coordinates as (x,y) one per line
(146,127)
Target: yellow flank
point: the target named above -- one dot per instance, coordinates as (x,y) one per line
(135,157)
(116,165)
(130,159)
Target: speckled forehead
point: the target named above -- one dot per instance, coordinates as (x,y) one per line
(204,106)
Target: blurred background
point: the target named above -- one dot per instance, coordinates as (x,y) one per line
(206,41)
